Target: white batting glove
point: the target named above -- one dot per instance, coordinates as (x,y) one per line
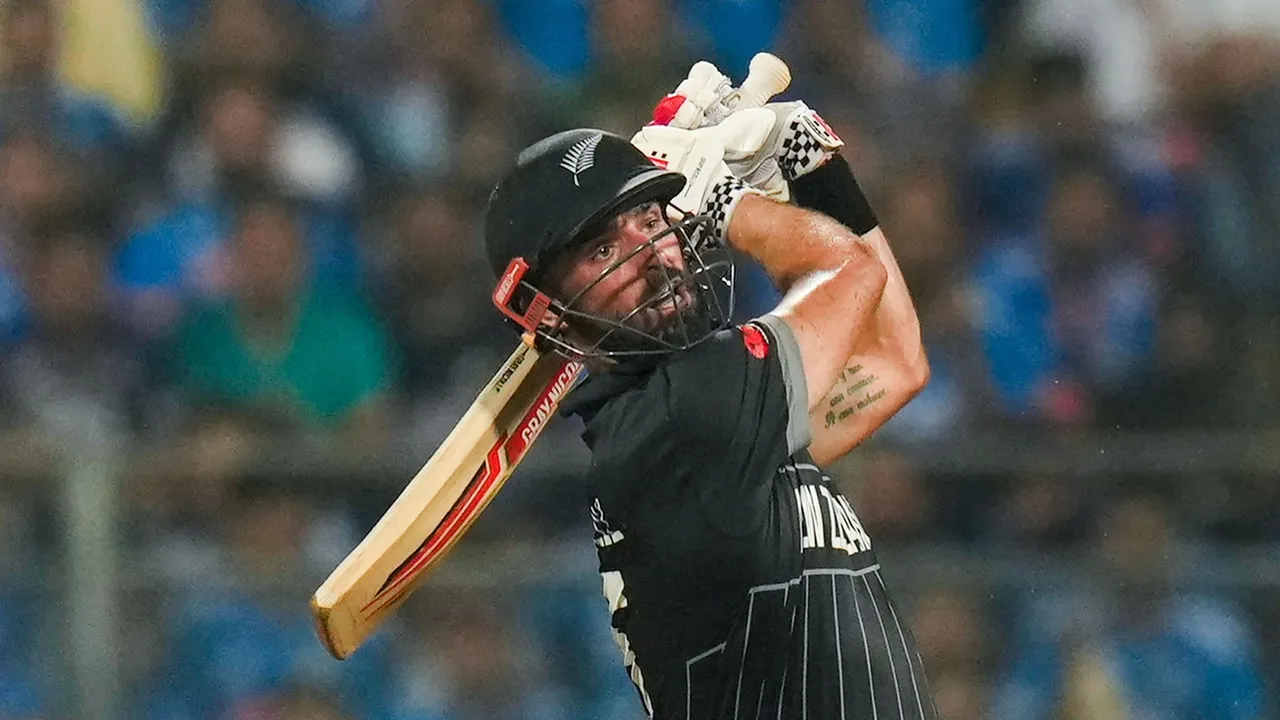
(710,188)
(797,140)
(801,141)
(700,100)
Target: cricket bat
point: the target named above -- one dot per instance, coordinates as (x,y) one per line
(442,501)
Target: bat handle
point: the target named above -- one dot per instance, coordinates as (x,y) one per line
(767,76)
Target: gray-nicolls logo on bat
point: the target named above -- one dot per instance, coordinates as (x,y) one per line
(581,156)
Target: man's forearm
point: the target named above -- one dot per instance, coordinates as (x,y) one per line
(887,365)
(895,325)
(794,245)
(833,191)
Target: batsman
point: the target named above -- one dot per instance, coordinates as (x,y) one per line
(740,582)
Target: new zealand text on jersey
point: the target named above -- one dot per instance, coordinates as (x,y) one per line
(827,520)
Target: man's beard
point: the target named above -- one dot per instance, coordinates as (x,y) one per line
(670,317)
(681,310)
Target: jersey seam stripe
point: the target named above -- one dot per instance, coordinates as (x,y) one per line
(905,650)
(688,677)
(815,572)
(804,678)
(782,688)
(704,654)
(902,713)
(835,610)
(842,571)
(760,699)
(742,664)
(866,648)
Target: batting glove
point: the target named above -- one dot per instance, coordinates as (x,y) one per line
(700,100)
(797,141)
(710,187)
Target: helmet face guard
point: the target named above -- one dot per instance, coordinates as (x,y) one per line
(699,298)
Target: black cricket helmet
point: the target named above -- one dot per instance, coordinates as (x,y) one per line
(562,191)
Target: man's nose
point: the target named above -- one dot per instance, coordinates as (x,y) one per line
(664,246)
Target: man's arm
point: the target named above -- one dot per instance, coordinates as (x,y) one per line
(831,280)
(888,366)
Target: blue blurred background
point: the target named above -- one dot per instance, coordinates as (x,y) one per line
(242,299)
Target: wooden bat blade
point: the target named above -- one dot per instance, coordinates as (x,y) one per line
(441,502)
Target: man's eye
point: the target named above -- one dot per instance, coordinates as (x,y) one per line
(603,252)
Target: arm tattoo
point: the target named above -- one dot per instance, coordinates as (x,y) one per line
(855,390)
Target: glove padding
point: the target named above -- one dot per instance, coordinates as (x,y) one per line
(801,140)
(700,100)
(710,188)
(797,141)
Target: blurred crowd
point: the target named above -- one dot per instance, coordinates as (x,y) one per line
(235,224)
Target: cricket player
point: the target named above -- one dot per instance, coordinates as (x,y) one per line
(740,581)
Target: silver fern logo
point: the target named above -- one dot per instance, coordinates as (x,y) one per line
(581,156)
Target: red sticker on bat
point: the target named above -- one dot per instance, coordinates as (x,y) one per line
(757,344)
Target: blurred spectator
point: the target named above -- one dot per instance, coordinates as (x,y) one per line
(838,44)
(1127,644)
(920,218)
(308,703)
(1186,387)
(283,353)
(1229,93)
(637,57)
(33,98)
(1040,512)
(435,294)
(472,665)
(893,500)
(238,641)
(581,658)
(1068,316)
(955,639)
(733,31)
(445,111)
(1051,121)
(932,37)
(247,130)
(231,139)
(900,67)
(248,35)
(35,181)
(553,34)
(77,376)
(1138,51)
(181,256)
(21,693)
(485,147)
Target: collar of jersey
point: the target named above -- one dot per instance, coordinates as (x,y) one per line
(592,394)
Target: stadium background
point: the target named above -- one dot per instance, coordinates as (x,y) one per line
(241,300)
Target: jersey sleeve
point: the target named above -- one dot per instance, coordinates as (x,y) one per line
(717,421)
(738,404)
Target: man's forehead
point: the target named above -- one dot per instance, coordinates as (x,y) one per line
(614,222)
(569,259)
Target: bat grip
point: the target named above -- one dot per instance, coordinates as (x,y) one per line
(767,76)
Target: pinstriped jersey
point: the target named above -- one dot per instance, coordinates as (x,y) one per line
(739,580)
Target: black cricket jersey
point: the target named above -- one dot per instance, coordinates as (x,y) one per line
(740,582)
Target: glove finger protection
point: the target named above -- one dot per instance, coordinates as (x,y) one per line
(711,188)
